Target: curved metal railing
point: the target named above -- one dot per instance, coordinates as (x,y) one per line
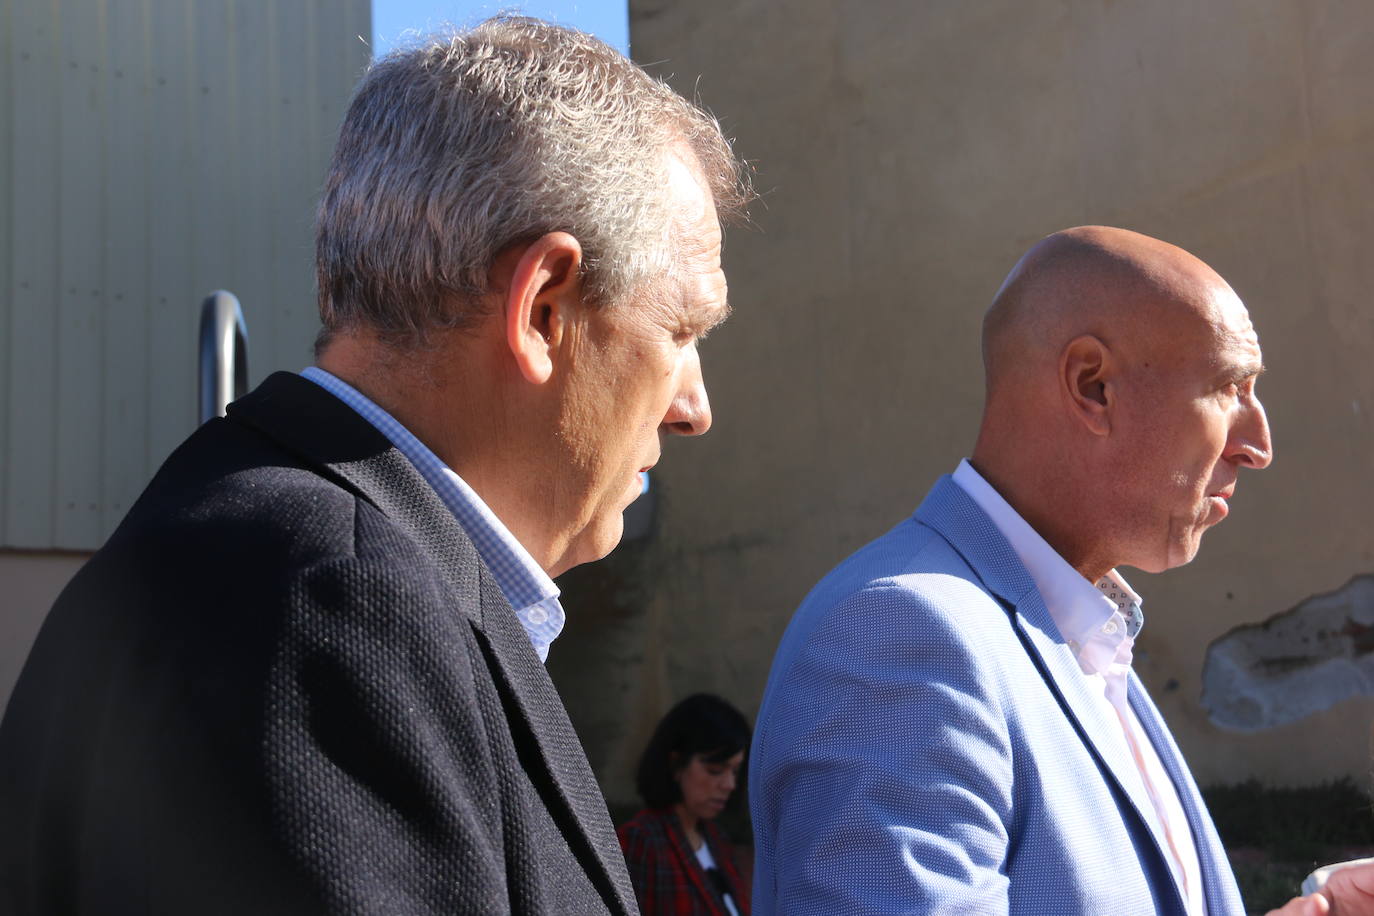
(223,353)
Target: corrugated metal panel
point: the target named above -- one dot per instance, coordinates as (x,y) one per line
(150,151)
(8,67)
(124,232)
(81,118)
(31,141)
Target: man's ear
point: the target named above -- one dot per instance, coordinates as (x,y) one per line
(544,293)
(1087,376)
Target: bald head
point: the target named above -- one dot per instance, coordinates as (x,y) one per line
(1112,283)
(1120,397)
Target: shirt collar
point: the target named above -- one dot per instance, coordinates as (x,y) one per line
(526,586)
(1090,621)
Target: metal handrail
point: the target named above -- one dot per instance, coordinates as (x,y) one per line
(223,353)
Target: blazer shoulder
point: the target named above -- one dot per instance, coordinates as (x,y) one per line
(235,520)
(226,485)
(911,573)
(268,474)
(907,601)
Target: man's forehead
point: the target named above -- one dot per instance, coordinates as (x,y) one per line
(700,292)
(1242,326)
(688,186)
(1238,347)
(1223,309)
(697,241)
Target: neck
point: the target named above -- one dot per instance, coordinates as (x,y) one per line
(689,825)
(1040,501)
(449,397)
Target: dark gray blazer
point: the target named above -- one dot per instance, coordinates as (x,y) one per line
(288,684)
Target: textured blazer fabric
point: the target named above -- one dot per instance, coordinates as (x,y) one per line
(927,744)
(667,878)
(287,684)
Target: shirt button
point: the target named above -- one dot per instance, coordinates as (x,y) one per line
(1109,627)
(537,615)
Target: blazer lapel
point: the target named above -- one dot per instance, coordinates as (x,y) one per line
(1218,880)
(1095,722)
(564,777)
(954,514)
(314,424)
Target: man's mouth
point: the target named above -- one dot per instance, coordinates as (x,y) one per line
(1225,492)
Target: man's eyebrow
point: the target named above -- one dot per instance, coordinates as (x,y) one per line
(705,319)
(1236,372)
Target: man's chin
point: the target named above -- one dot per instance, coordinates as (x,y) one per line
(1176,553)
(595,542)
(1181,554)
(605,548)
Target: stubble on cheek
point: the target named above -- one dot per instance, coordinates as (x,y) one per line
(1184,536)
(1187,521)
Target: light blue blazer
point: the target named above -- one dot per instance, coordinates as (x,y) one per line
(928,744)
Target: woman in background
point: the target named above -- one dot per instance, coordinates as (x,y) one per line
(680,863)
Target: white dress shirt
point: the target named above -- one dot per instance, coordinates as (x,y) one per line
(1096,630)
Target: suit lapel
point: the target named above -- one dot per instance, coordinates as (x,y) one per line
(1218,880)
(563,776)
(1096,722)
(954,514)
(325,432)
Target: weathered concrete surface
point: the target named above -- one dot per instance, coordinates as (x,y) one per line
(909,152)
(1294,664)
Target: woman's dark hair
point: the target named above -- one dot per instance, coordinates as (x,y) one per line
(703,725)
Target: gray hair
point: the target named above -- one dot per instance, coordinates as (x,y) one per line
(454,150)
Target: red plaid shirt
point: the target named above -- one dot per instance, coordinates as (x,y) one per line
(668,879)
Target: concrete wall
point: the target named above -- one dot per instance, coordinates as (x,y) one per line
(908,153)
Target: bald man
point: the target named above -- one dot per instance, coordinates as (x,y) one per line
(951,723)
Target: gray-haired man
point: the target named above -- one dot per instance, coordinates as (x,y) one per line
(518,247)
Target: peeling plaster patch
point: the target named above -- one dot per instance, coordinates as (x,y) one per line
(1294,664)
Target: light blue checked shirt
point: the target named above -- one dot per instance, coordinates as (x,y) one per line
(524,583)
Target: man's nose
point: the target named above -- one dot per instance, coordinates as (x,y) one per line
(690,412)
(1250,443)
(729,780)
